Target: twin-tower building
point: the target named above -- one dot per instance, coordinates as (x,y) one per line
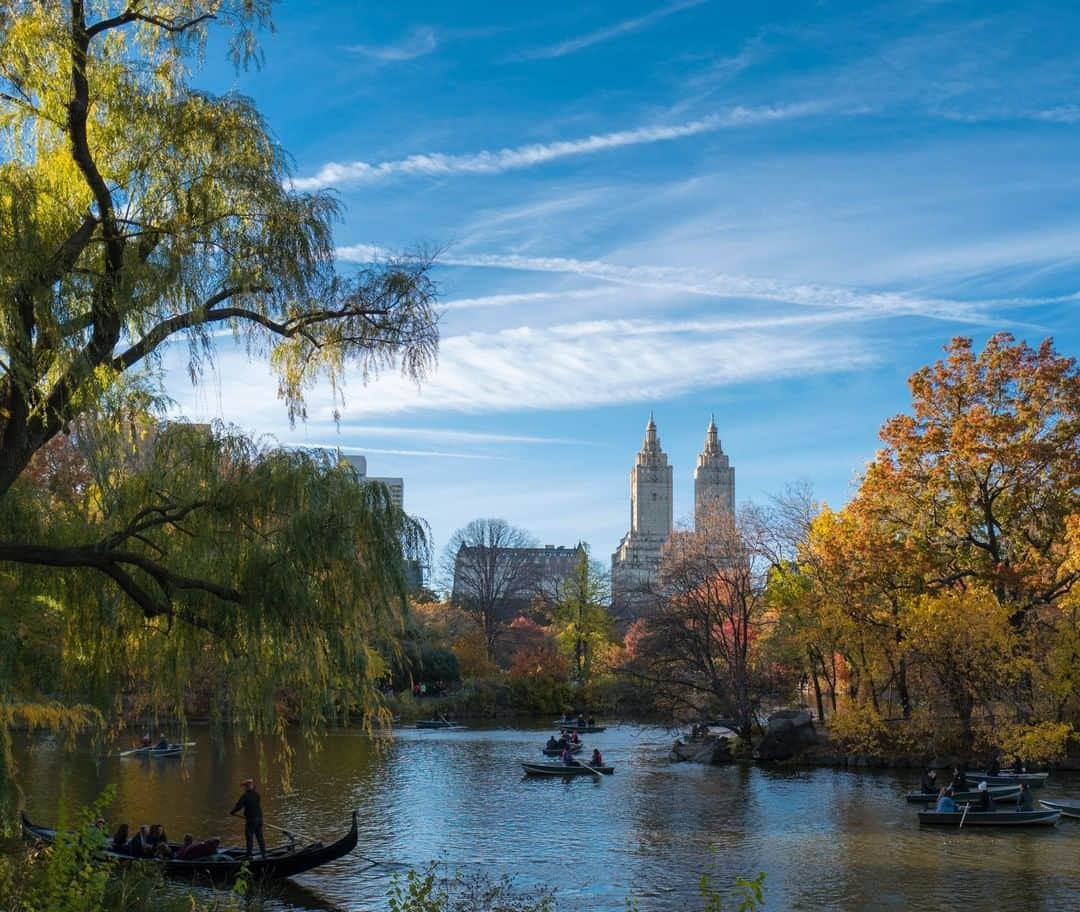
(637,559)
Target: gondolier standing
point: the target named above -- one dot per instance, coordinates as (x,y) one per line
(251,805)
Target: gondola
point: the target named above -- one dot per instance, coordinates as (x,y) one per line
(997,792)
(1068,808)
(989,818)
(437,723)
(279,862)
(563,769)
(1033,780)
(557,751)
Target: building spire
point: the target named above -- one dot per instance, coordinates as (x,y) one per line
(712,441)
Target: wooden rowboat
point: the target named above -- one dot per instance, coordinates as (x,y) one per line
(173,750)
(437,723)
(562,769)
(1068,808)
(1033,780)
(990,818)
(997,792)
(557,751)
(279,862)
(581,729)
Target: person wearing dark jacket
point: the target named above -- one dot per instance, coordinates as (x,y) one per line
(959,780)
(251,805)
(1024,801)
(929,782)
(986,800)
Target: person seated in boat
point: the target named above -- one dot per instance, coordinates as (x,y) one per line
(146,740)
(930,783)
(1018,766)
(567,757)
(139,844)
(163,743)
(552,744)
(574,739)
(1024,801)
(993,768)
(158,842)
(959,780)
(119,843)
(597,758)
(945,803)
(564,740)
(580,718)
(190,851)
(185,847)
(592,721)
(986,800)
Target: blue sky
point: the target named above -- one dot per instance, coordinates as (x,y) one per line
(773,212)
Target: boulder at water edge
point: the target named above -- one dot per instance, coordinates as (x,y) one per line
(789,732)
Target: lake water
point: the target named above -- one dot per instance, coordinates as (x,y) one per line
(826,839)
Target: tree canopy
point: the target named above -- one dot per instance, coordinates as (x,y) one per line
(137,213)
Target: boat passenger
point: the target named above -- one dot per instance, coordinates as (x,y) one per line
(552,744)
(163,743)
(1024,801)
(581,719)
(120,840)
(158,842)
(146,741)
(574,739)
(959,779)
(251,805)
(592,721)
(1018,766)
(182,852)
(986,800)
(597,758)
(993,768)
(929,782)
(945,804)
(139,844)
(567,757)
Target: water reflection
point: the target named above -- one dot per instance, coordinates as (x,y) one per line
(827,839)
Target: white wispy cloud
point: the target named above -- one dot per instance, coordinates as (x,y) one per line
(528,297)
(707,284)
(722,285)
(616,30)
(353,432)
(602,362)
(348,449)
(420,41)
(437,164)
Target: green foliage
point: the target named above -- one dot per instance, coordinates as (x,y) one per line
(428,891)
(584,628)
(748,893)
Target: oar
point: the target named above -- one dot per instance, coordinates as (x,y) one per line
(290,833)
(963,816)
(595,772)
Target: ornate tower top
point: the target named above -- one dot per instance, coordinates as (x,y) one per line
(712,442)
(651,454)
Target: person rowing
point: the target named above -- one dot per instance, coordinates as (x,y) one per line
(597,758)
(1024,801)
(251,805)
(567,757)
(163,743)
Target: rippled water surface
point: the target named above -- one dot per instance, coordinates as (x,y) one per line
(826,839)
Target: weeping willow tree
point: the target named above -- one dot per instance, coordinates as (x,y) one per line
(137,213)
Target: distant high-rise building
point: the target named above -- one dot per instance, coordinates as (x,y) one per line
(714,478)
(396,485)
(635,561)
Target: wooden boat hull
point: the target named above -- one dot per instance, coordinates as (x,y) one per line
(990,818)
(284,861)
(580,729)
(1069,809)
(557,751)
(173,750)
(437,723)
(561,769)
(1033,780)
(997,792)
